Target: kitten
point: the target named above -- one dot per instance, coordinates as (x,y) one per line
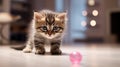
(47,27)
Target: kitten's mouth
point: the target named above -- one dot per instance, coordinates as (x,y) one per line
(50,37)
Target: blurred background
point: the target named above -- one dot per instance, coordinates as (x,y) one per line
(89,21)
(92,29)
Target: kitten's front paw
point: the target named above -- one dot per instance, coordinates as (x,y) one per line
(39,51)
(27,50)
(56,52)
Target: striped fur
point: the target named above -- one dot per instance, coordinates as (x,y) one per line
(47,27)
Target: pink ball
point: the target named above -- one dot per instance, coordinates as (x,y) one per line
(75,57)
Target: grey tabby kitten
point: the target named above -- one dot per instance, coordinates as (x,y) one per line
(47,27)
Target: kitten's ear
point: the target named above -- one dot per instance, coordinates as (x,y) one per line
(37,15)
(62,15)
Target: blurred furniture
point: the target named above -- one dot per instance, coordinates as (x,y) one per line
(18,29)
(5,5)
(5,20)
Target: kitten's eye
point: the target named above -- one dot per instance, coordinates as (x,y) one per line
(44,28)
(56,29)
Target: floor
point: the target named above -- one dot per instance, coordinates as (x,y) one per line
(94,55)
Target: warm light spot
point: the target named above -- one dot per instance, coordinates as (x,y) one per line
(84,13)
(93,23)
(91,2)
(83,23)
(95,12)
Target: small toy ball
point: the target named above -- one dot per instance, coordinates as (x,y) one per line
(75,57)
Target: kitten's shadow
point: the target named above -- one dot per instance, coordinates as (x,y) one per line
(48,53)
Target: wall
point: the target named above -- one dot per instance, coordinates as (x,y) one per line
(102,29)
(109,6)
(44,4)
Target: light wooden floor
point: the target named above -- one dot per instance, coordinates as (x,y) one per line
(93,56)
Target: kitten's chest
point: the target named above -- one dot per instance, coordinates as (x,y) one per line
(41,38)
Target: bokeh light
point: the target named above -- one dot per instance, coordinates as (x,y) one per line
(84,13)
(95,12)
(83,23)
(91,2)
(93,23)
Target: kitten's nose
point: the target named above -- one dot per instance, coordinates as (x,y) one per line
(49,33)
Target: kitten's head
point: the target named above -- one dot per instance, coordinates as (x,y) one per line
(49,24)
